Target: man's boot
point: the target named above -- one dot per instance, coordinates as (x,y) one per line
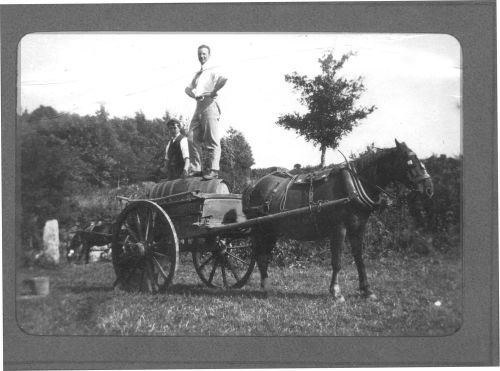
(214,174)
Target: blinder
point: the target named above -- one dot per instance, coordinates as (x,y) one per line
(418,175)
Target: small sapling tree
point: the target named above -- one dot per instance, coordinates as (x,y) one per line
(330,100)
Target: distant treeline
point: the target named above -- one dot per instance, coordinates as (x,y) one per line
(64,155)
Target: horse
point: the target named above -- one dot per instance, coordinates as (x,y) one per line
(360,182)
(97,234)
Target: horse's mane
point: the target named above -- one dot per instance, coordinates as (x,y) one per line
(369,159)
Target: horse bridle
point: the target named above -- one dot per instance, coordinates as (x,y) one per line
(417,173)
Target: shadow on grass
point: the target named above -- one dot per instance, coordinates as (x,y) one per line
(201,291)
(197,290)
(86,289)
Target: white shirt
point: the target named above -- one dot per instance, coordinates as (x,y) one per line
(183,144)
(209,78)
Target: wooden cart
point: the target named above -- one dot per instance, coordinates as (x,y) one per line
(149,234)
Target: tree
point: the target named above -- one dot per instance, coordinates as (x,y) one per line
(41,113)
(140,118)
(101,114)
(236,160)
(51,168)
(330,100)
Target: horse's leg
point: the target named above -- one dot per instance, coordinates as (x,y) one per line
(356,241)
(264,244)
(86,251)
(79,251)
(336,245)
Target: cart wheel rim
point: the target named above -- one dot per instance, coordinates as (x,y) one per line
(225,265)
(145,248)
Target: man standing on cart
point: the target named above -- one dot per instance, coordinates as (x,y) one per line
(176,152)
(204,128)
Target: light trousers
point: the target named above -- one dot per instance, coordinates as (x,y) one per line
(204,132)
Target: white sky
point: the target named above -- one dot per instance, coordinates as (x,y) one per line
(413,79)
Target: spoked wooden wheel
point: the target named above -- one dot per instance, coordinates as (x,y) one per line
(225,262)
(145,248)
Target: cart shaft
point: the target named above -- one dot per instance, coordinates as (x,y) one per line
(206,229)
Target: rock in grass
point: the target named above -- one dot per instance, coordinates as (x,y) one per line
(51,241)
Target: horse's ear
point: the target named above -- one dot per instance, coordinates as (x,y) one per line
(397,143)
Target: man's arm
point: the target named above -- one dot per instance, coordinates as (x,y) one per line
(185,170)
(221,81)
(189,91)
(209,88)
(193,94)
(185,155)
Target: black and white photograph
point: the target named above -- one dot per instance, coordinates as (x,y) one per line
(240,184)
(275,197)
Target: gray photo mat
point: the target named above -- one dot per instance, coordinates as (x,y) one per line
(475,343)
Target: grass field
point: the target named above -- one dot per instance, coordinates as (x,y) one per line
(418,296)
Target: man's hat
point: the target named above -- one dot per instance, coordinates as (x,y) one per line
(174,122)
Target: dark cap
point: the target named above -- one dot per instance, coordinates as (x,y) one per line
(174,122)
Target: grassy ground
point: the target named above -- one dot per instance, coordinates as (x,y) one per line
(418,296)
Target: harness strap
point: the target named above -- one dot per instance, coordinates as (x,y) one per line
(283,198)
(267,203)
(311,202)
(356,191)
(311,191)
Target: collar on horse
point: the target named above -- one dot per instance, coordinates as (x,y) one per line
(356,191)
(360,192)
(359,178)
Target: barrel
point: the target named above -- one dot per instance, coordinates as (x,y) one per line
(37,286)
(191,184)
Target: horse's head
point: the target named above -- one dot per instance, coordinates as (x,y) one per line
(414,174)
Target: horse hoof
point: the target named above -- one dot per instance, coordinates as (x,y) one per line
(339,299)
(337,296)
(369,296)
(264,285)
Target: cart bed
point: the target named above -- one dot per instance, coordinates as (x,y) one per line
(191,210)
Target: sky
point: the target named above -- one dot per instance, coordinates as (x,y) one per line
(413,79)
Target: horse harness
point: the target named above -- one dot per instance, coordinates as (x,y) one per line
(311,179)
(290,180)
(353,184)
(356,190)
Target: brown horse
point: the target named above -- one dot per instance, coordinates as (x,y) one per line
(360,183)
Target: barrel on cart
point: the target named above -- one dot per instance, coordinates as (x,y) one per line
(188,215)
(150,233)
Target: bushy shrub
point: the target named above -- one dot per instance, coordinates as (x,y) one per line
(103,204)
(393,228)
